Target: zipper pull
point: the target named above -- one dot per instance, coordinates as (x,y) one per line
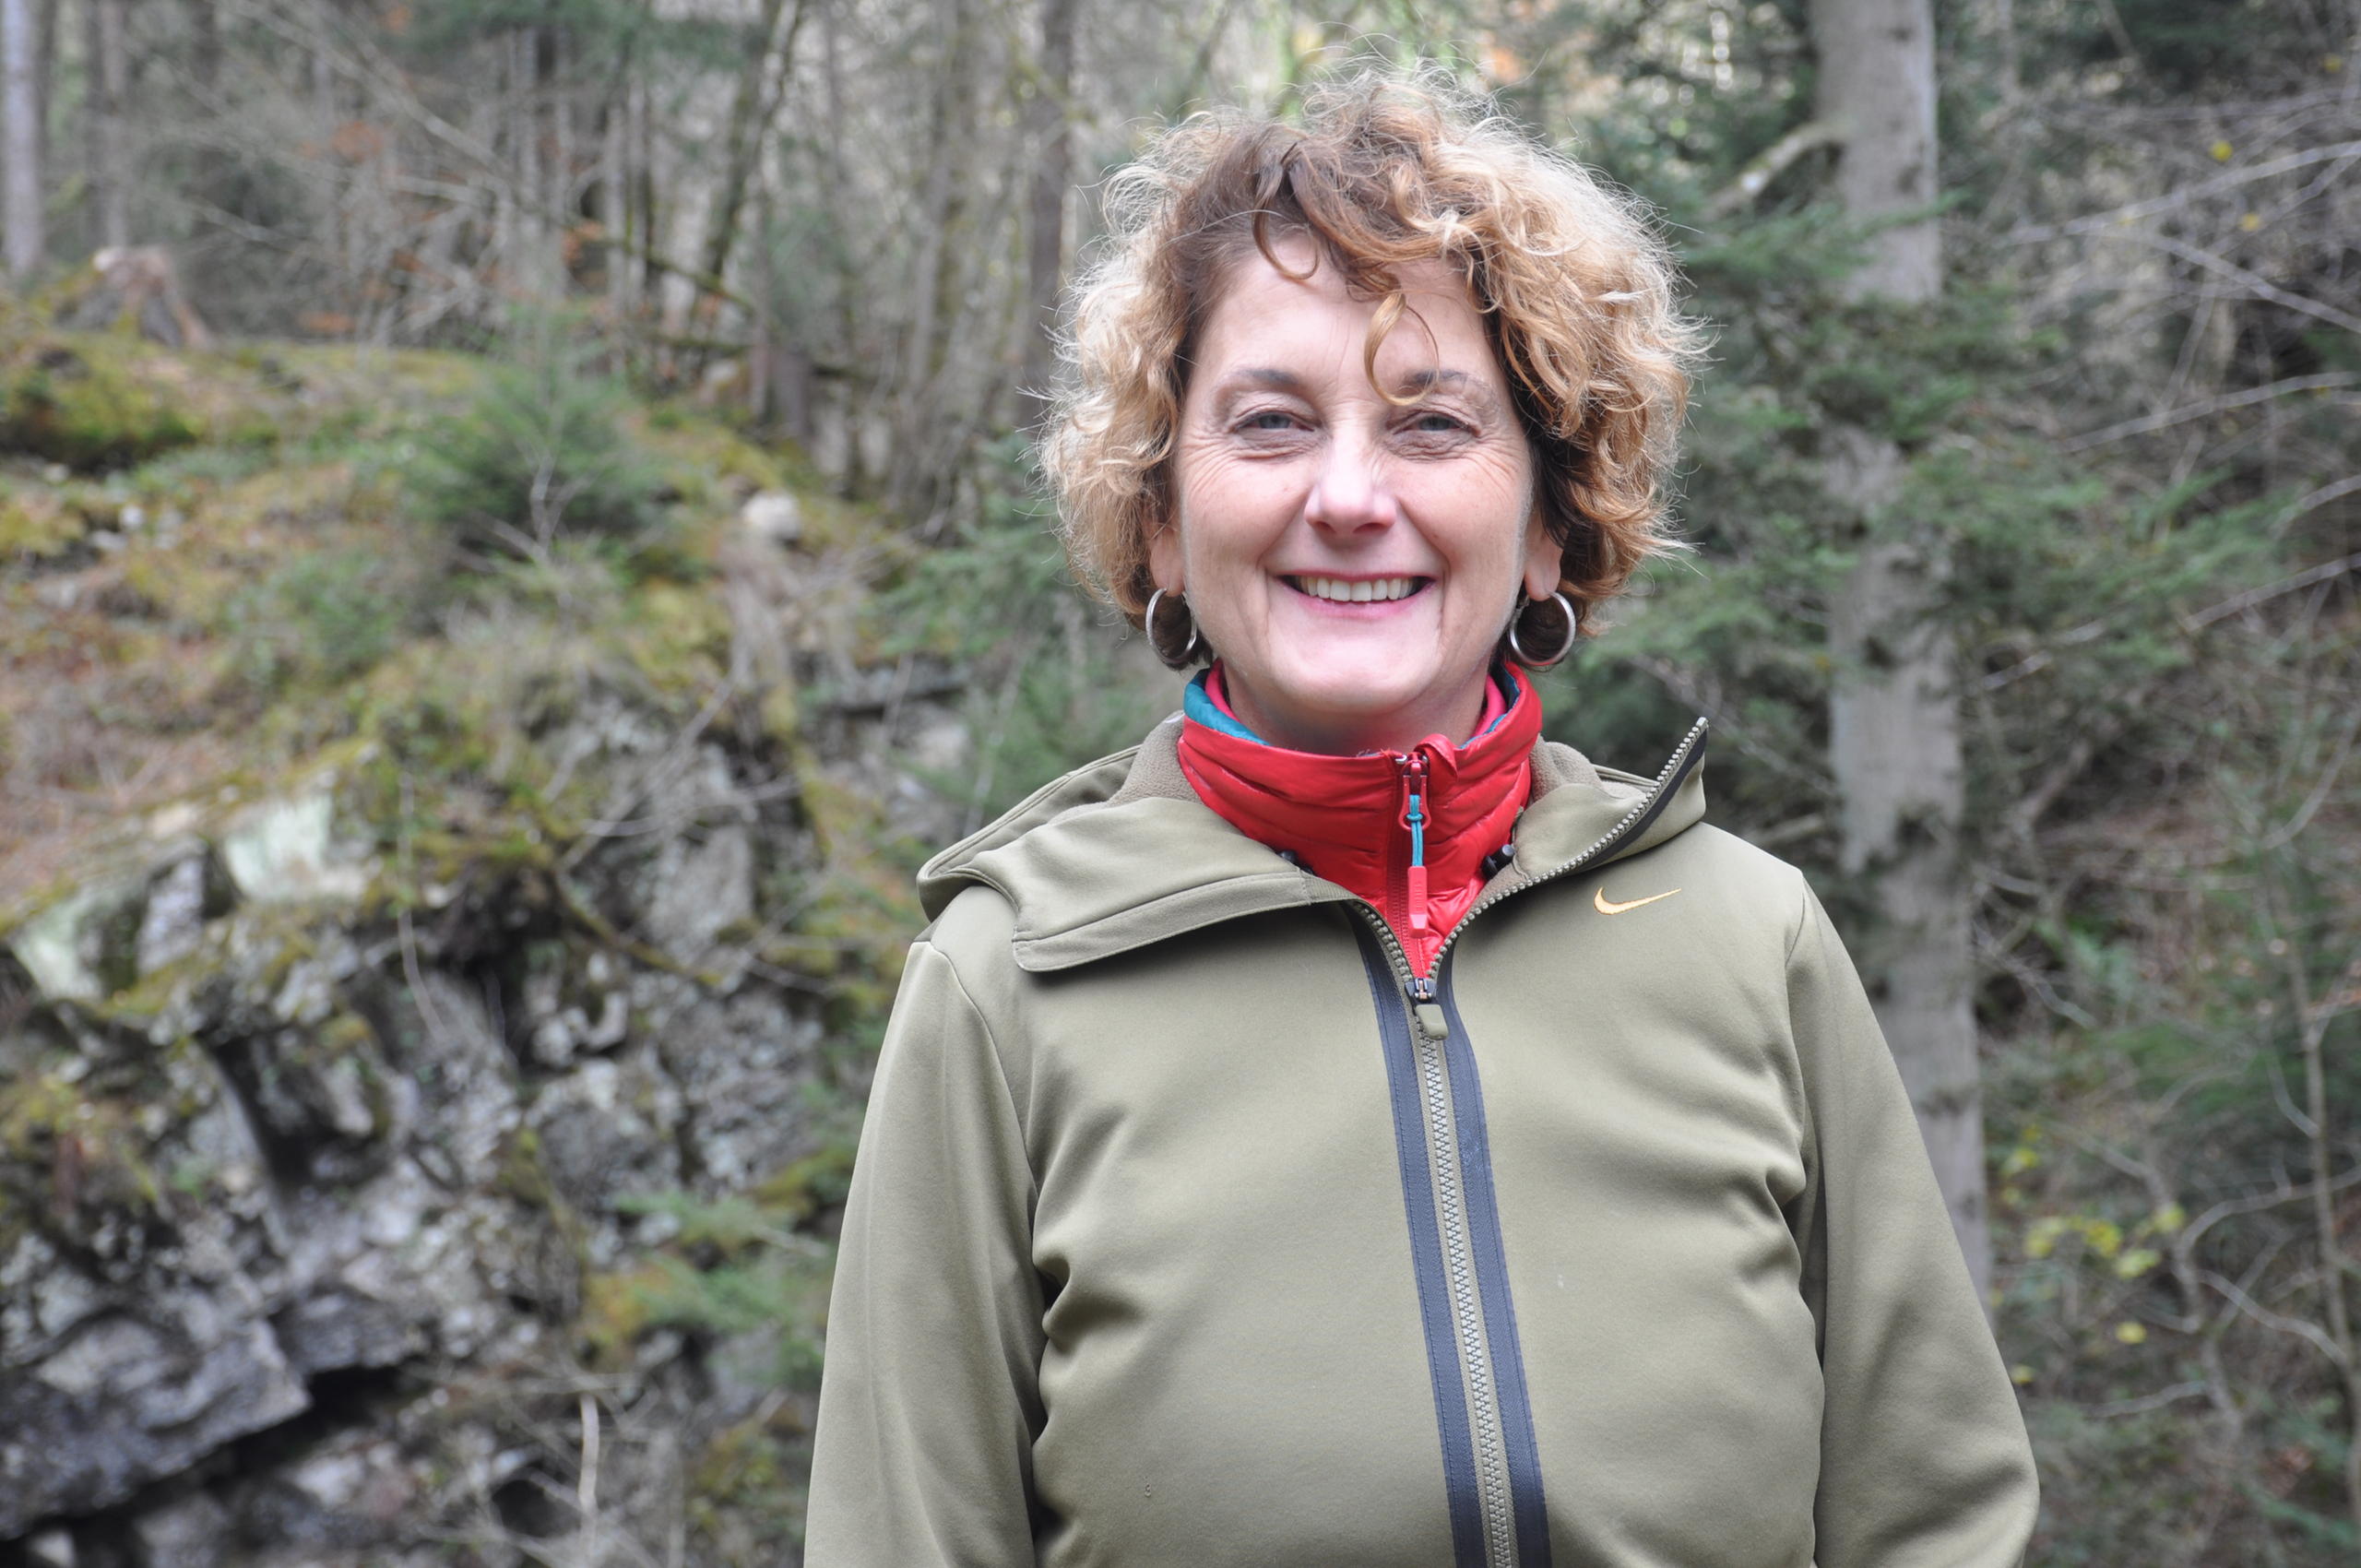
(1426,1009)
(1414,817)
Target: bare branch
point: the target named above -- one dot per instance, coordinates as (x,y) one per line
(2309,1331)
(2257,285)
(2223,404)
(1770,162)
(2115,217)
(2117,1408)
(2239,603)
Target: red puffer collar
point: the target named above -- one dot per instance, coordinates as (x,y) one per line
(1349,819)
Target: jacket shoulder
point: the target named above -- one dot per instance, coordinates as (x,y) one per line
(973,929)
(1094,783)
(1739,865)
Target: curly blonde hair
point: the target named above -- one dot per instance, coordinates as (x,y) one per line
(1386,168)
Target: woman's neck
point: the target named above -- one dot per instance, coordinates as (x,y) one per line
(1454,715)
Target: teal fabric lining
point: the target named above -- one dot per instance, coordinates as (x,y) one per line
(1198,704)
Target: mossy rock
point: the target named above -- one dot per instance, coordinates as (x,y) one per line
(98,401)
(81,410)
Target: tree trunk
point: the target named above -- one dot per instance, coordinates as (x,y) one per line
(1052,142)
(530,264)
(752,112)
(614,201)
(208,166)
(565,153)
(920,480)
(45,75)
(205,50)
(20,195)
(336,238)
(1893,703)
(110,154)
(851,398)
(1877,84)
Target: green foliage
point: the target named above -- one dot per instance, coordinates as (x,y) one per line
(541,452)
(600,30)
(1047,692)
(2185,47)
(731,1267)
(323,618)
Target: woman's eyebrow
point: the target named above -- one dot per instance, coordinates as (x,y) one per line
(1262,377)
(1255,378)
(1272,379)
(1457,381)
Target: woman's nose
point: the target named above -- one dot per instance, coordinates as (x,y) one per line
(1350,492)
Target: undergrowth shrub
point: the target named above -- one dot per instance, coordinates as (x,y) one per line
(539,453)
(322,619)
(1048,688)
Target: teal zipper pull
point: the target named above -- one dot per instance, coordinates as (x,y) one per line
(1414,817)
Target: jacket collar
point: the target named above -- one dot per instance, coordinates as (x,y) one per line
(1121,853)
(1342,817)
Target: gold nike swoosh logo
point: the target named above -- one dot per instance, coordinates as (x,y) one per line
(1600,902)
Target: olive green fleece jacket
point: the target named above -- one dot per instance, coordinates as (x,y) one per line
(1189,1228)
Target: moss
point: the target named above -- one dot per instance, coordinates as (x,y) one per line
(347,1035)
(859,924)
(801,1189)
(679,638)
(706,461)
(35,521)
(523,1176)
(746,1490)
(66,1146)
(72,406)
(617,1308)
(781,714)
(239,531)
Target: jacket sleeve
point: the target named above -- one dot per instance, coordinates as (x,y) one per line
(1923,1462)
(928,1400)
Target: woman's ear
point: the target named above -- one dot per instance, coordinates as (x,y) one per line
(1544,559)
(1164,558)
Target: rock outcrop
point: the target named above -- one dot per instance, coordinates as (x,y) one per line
(359,1210)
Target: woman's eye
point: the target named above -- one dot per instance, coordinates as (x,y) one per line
(1433,422)
(1267,420)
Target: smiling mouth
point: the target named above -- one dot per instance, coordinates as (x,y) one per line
(1356,591)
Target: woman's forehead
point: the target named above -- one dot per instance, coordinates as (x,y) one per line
(1268,328)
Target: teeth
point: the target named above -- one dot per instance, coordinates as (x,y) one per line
(1356,592)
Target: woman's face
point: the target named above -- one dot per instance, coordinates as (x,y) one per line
(1352,560)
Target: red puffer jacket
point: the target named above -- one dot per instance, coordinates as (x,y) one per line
(1413,832)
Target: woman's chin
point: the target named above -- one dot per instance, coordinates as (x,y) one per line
(1344,697)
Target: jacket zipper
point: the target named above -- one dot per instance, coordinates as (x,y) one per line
(1414,769)
(1429,1032)
(1427,1026)
(1421,990)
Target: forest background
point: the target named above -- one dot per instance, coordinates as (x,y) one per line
(517,536)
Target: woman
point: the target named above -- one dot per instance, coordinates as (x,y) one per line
(1347,1129)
